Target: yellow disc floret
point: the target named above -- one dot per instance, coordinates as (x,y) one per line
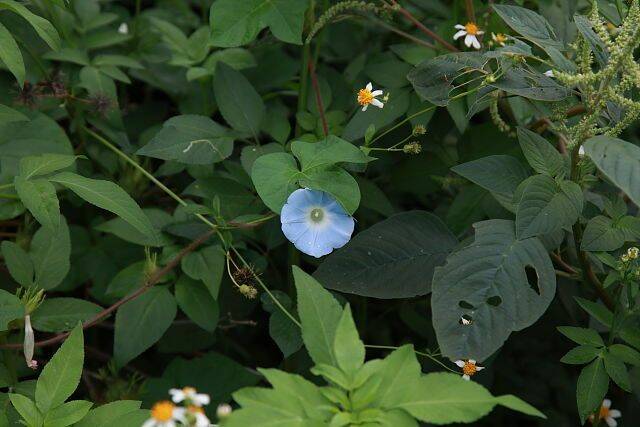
(162,411)
(469,368)
(365,96)
(471,28)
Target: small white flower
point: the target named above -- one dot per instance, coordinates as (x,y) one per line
(190,396)
(607,414)
(549,73)
(163,414)
(123,28)
(469,368)
(581,151)
(192,416)
(223,410)
(499,38)
(471,33)
(29,343)
(368,96)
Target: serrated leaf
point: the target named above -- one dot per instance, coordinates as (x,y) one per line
(581,355)
(103,415)
(617,371)
(582,336)
(347,346)
(11,56)
(62,314)
(67,414)
(39,196)
(592,387)
(487,282)
(320,314)
(50,255)
(61,375)
(540,154)
(11,308)
(371,264)
(546,206)
(18,262)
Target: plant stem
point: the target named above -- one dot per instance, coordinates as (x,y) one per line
(419,353)
(404,12)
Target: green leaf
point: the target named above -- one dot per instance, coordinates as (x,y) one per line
(45,30)
(27,409)
(125,231)
(296,388)
(67,413)
(39,196)
(625,353)
(207,265)
(275,175)
(487,282)
(592,387)
(197,303)
(11,308)
(61,375)
(619,161)
(50,254)
(444,398)
(11,56)
(9,115)
(240,104)
(62,314)
(284,332)
(581,355)
(103,415)
(31,166)
(190,139)
(530,84)
(399,372)
(347,346)
(529,24)
(596,310)
(320,314)
(371,265)
(434,79)
(498,174)
(582,336)
(598,47)
(235,24)
(540,154)
(108,196)
(617,371)
(547,206)
(18,263)
(606,235)
(141,322)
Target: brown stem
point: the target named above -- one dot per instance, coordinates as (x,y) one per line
(566,267)
(155,278)
(404,12)
(319,103)
(471,12)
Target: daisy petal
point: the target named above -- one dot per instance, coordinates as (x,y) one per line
(377,103)
(606,403)
(377,92)
(468,40)
(466,377)
(476,43)
(365,107)
(459,363)
(459,27)
(611,422)
(459,34)
(369,86)
(614,413)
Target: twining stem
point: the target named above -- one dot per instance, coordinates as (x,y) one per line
(319,103)
(153,279)
(404,12)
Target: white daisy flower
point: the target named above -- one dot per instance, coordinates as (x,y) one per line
(471,33)
(190,396)
(499,39)
(469,368)
(163,414)
(607,414)
(123,28)
(368,96)
(549,73)
(192,416)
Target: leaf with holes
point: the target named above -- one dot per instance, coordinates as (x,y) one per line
(372,265)
(488,282)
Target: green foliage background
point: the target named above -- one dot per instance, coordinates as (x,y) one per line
(148,147)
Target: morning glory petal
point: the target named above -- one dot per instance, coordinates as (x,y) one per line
(315,222)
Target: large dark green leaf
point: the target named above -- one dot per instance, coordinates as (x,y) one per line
(529,24)
(530,84)
(540,154)
(619,161)
(605,234)
(434,78)
(487,283)
(393,259)
(190,139)
(592,387)
(62,314)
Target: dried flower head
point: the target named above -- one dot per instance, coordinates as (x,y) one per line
(412,148)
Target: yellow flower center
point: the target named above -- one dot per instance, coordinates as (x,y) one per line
(604,412)
(188,390)
(471,29)
(162,411)
(195,409)
(365,97)
(469,368)
(500,38)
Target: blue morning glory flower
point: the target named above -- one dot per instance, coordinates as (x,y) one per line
(315,222)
